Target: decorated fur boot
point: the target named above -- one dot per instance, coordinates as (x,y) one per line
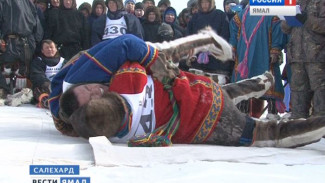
(188,47)
(23,97)
(292,133)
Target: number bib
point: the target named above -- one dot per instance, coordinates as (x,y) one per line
(114,28)
(143,118)
(50,72)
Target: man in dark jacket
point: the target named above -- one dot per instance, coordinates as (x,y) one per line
(20,30)
(68,28)
(43,69)
(116,23)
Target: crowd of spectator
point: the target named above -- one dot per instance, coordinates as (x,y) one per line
(43,35)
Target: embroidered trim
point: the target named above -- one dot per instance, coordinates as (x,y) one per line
(98,63)
(212,119)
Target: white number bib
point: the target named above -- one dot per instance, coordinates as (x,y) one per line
(114,28)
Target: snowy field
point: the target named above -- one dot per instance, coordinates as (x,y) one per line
(28,137)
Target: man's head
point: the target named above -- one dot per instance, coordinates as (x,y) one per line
(68,4)
(48,48)
(98,8)
(139,10)
(114,5)
(147,3)
(170,15)
(206,5)
(129,5)
(152,14)
(163,5)
(92,111)
(78,96)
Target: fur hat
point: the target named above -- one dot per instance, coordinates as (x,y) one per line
(102,116)
(165,2)
(165,30)
(154,9)
(138,5)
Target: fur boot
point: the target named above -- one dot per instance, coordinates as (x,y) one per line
(188,47)
(293,133)
(249,88)
(23,97)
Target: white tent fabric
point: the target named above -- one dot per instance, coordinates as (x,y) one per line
(28,137)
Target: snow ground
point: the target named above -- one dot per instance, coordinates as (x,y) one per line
(28,137)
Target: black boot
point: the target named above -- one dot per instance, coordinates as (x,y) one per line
(272,112)
(293,133)
(300,104)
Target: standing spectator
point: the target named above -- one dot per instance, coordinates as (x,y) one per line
(257,42)
(147,3)
(43,69)
(163,5)
(42,4)
(85,9)
(98,9)
(208,15)
(68,28)
(306,56)
(151,24)
(227,4)
(116,23)
(139,11)
(55,3)
(129,6)
(20,30)
(184,18)
(170,18)
(193,6)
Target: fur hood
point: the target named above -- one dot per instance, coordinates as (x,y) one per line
(170,10)
(74,5)
(120,5)
(95,3)
(85,6)
(155,10)
(212,5)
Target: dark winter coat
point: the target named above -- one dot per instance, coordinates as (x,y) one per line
(132,22)
(20,18)
(38,68)
(307,43)
(218,21)
(151,28)
(69,29)
(93,15)
(151,31)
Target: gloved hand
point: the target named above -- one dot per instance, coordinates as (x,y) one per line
(274,58)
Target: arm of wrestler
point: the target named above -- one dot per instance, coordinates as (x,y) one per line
(98,64)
